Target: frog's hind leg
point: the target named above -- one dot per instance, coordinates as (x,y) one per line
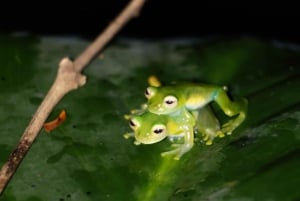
(231,108)
(208,125)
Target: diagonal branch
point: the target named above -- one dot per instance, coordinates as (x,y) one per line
(132,10)
(68,78)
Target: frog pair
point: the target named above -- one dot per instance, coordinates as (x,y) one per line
(178,111)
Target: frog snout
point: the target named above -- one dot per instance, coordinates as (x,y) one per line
(158,109)
(144,139)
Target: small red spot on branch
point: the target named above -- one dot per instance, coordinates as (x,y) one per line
(49,126)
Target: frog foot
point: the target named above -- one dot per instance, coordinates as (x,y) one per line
(128,135)
(237,109)
(136,111)
(231,125)
(172,152)
(209,137)
(179,151)
(127,116)
(220,134)
(209,142)
(228,127)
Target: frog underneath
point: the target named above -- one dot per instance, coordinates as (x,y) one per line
(151,128)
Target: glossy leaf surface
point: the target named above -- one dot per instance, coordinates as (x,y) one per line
(86,158)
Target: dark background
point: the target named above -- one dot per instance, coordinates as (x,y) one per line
(158,19)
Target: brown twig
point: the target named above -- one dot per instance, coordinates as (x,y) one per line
(68,78)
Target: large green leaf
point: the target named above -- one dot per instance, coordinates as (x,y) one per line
(87,158)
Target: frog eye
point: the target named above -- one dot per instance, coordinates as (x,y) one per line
(170,101)
(149,92)
(133,123)
(159,129)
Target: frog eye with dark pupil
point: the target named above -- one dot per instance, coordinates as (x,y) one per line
(158,131)
(169,102)
(147,92)
(132,123)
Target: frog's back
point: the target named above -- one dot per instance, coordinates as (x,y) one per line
(199,95)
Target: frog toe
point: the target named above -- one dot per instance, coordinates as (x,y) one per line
(177,157)
(228,127)
(176,145)
(137,143)
(209,142)
(220,134)
(178,152)
(168,153)
(128,135)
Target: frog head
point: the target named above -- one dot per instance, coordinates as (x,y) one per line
(148,128)
(164,100)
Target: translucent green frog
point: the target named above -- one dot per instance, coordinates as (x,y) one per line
(171,100)
(149,128)
(178,111)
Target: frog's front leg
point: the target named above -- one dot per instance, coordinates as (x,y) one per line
(188,144)
(175,150)
(129,135)
(231,108)
(179,150)
(136,111)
